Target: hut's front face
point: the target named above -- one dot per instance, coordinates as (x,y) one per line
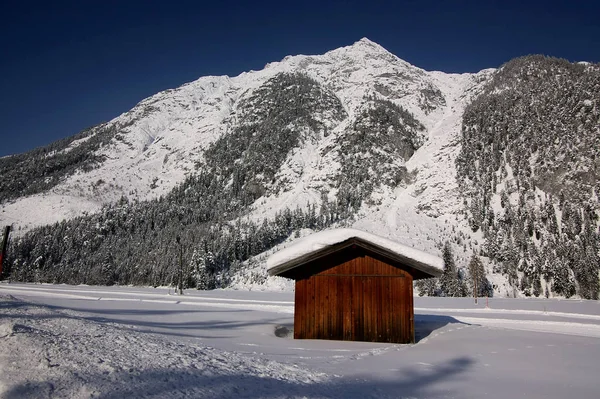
(354,295)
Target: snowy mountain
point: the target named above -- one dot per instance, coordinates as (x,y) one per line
(232,166)
(151,148)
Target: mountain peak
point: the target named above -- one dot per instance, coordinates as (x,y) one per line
(366,43)
(366,40)
(362,49)
(366,48)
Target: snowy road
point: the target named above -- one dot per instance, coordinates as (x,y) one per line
(515,348)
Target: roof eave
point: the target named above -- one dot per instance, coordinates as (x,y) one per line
(432,271)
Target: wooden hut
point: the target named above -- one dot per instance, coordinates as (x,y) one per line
(353,286)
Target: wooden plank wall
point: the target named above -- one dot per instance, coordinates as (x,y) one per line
(363,299)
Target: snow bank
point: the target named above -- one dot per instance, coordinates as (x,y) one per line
(63,354)
(316,242)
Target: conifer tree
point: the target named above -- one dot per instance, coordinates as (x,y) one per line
(428,286)
(478,279)
(450,284)
(199,266)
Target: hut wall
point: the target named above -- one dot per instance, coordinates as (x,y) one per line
(355,297)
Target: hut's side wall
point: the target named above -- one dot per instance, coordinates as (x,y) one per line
(355,298)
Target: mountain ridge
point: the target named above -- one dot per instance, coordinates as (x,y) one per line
(167,131)
(235,165)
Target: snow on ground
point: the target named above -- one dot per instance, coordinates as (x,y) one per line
(112,342)
(46,353)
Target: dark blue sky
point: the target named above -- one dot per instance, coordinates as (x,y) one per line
(68,65)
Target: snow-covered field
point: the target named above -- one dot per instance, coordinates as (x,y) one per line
(114,342)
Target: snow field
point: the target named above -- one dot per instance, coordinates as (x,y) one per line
(60,355)
(64,341)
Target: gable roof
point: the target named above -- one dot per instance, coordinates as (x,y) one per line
(317,245)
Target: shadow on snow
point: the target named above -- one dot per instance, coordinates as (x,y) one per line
(155,325)
(192,382)
(426,324)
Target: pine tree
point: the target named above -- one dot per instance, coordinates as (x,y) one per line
(463,290)
(449,281)
(199,266)
(478,279)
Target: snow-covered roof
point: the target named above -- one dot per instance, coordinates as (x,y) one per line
(319,244)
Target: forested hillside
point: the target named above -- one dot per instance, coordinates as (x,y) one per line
(374,150)
(528,169)
(43,168)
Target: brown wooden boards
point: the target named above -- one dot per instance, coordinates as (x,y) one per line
(356,298)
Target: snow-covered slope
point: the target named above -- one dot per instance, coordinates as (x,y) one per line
(161,139)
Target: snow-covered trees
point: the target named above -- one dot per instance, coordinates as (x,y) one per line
(201,275)
(373,151)
(479,282)
(428,286)
(43,168)
(530,144)
(451,281)
(134,243)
